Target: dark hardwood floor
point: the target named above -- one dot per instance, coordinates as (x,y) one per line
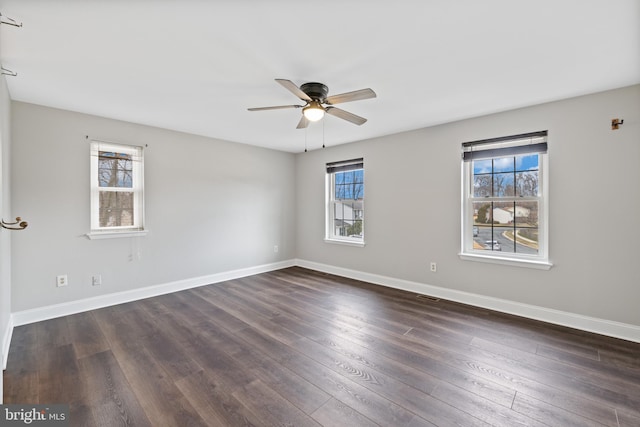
(296,347)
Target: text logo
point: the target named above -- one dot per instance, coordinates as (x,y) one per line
(34,415)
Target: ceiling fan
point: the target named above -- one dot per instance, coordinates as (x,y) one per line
(318,103)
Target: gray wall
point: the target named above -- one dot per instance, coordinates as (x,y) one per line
(214,206)
(413,202)
(211,206)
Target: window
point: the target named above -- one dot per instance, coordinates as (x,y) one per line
(117,206)
(345,207)
(504,215)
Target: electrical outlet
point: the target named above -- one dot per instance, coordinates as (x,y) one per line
(275,248)
(96,280)
(434,267)
(62,280)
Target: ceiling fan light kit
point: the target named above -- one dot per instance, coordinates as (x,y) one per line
(316,95)
(313,111)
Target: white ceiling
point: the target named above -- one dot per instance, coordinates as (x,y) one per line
(195,66)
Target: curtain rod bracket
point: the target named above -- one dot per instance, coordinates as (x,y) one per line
(9,21)
(616,123)
(6,72)
(18,225)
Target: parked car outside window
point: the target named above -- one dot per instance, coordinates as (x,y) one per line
(492,245)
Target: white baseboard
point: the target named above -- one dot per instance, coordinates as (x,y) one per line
(572,320)
(6,342)
(72,307)
(591,324)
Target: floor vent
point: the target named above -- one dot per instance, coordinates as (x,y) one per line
(429,297)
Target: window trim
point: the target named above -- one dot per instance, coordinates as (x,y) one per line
(539,261)
(504,260)
(331,169)
(98,235)
(138,229)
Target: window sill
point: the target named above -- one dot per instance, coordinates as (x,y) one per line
(97,235)
(514,262)
(345,242)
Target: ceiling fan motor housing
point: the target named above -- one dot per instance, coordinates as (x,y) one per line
(315,90)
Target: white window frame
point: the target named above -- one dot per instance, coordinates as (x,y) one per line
(468,252)
(137,229)
(330,235)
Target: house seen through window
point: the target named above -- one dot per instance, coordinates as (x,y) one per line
(345,211)
(504,212)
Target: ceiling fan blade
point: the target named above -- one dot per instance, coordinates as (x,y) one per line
(278,107)
(345,115)
(356,95)
(291,87)
(303,123)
